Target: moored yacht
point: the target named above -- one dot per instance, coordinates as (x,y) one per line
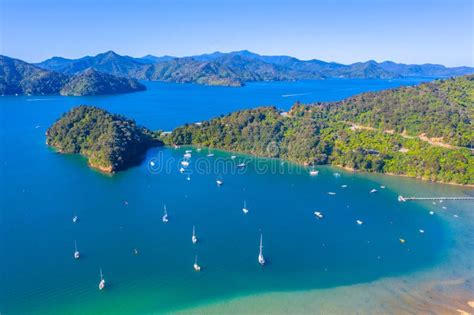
(165,215)
(102,281)
(76,252)
(261,259)
(194,238)
(313,172)
(196,266)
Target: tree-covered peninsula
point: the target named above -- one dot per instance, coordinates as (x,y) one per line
(424,131)
(110,142)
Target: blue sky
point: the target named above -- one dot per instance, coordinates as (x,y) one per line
(409,31)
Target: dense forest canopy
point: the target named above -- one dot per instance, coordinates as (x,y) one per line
(110,142)
(379,132)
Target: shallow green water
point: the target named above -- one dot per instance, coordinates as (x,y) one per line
(40,190)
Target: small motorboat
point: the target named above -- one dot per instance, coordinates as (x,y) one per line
(182,170)
(241,165)
(245,210)
(432,213)
(402,240)
(331,193)
(359,222)
(421,231)
(318,214)
(373,191)
(344,186)
(187,155)
(185,163)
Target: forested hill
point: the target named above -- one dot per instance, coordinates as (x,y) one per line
(238,67)
(376,132)
(92,82)
(443,109)
(19,77)
(110,142)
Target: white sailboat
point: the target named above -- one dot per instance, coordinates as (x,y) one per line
(185,163)
(219,181)
(196,266)
(209,154)
(359,222)
(261,259)
(373,191)
(102,281)
(76,252)
(194,238)
(245,210)
(241,165)
(165,214)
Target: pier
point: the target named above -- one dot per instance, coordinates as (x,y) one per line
(403,199)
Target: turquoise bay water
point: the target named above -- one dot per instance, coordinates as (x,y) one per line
(40,190)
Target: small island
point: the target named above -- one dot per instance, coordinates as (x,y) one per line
(110,142)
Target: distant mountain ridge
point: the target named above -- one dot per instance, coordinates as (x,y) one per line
(236,68)
(19,77)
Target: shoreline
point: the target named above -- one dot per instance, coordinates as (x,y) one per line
(170,146)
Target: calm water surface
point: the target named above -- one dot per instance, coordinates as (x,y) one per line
(40,190)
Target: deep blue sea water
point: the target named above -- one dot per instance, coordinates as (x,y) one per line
(40,190)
